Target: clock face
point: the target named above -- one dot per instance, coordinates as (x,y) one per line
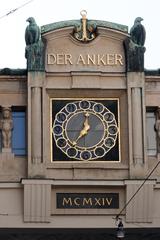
(85,130)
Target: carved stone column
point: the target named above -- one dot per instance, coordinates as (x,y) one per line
(134,52)
(35,124)
(137,132)
(137,125)
(34,53)
(36,128)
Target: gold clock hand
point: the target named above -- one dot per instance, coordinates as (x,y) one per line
(85,129)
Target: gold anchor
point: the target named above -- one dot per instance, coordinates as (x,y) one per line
(86,34)
(84,26)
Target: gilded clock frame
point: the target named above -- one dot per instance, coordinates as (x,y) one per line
(89,99)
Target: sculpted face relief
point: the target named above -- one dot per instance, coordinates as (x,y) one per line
(108,59)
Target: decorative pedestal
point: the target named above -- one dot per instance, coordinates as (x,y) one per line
(37,200)
(6,154)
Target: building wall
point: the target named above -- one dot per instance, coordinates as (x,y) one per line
(29,184)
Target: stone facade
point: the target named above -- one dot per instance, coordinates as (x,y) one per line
(29,184)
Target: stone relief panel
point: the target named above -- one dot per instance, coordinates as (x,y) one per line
(64,53)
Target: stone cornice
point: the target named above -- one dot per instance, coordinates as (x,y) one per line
(70,23)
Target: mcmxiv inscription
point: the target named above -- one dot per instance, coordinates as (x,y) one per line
(87,200)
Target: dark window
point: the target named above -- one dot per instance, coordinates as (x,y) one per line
(19,132)
(151,134)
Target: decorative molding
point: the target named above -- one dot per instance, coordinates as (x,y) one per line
(71,23)
(37,201)
(141,208)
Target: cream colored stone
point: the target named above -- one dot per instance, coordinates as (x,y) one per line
(95,70)
(137,130)
(89,57)
(141,208)
(37,195)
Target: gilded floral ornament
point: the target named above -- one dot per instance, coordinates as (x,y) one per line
(85,31)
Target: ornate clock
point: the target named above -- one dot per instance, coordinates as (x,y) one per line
(85,130)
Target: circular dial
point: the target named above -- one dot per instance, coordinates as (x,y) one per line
(85,130)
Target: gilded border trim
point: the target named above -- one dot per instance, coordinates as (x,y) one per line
(96,99)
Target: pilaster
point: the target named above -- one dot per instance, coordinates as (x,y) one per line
(35,124)
(37,200)
(137,130)
(140,209)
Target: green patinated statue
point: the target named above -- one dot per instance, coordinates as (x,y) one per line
(138,33)
(134,46)
(34,51)
(32,33)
